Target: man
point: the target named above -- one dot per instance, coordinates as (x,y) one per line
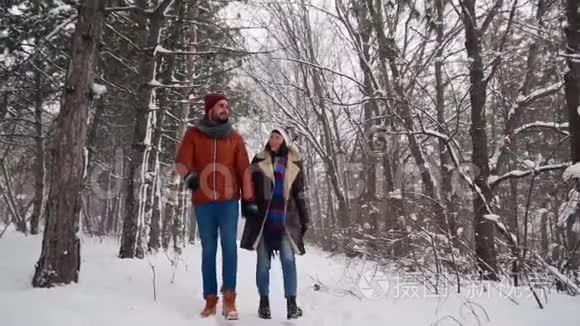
(213,161)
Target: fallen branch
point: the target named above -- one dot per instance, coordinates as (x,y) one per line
(559,276)
(154,281)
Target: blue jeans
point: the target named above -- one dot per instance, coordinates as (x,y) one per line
(211,217)
(288,260)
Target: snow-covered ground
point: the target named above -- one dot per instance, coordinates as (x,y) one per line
(120,292)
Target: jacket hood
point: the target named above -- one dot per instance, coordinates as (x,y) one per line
(293,152)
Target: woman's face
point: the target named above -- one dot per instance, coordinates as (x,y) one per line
(275,141)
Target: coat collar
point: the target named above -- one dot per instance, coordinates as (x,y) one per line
(292,167)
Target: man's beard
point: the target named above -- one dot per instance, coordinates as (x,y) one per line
(219,119)
(222,120)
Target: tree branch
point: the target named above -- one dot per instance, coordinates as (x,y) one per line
(494,180)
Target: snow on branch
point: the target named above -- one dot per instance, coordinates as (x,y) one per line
(98,89)
(495,180)
(501,227)
(556,273)
(220,50)
(454,157)
(542,124)
(524,100)
(539,93)
(572,172)
(134,9)
(121,35)
(163,7)
(158,84)
(568,207)
(511,130)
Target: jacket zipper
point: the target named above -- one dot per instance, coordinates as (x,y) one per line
(214,166)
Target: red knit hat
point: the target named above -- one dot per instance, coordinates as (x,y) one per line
(211,100)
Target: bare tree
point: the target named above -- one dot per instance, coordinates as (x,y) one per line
(483,196)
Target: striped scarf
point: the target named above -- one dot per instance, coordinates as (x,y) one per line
(274,227)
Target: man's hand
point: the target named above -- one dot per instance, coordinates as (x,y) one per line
(249,209)
(191,181)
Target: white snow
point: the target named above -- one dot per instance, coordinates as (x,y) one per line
(572,171)
(160,49)
(568,207)
(543,124)
(497,220)
(16,10)
(492,217)
(529,163)
(155,83)
(576,227)
(62,8)
(112,291)
(396,194)
(99,89)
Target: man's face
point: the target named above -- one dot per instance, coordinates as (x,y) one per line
(220,111)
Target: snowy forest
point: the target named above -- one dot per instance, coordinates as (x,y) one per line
(439,138)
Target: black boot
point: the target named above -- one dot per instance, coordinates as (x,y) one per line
(294,312)
(264,309)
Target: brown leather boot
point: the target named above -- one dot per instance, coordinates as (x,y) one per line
(229,306)
(210,306)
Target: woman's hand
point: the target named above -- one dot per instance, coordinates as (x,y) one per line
(249,209)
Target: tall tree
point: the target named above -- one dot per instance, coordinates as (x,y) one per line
(135,238)
(59,261)
(482,195)
(572,88)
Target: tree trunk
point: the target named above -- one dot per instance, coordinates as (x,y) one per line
(4,106)
(572,88)
(512,217)
(369,159)
(152,207)
(544,233)
(59,261)
(135,232)
(111,214)
(105,209)
(483,228)
(572,77)
(447,215)
(39,162)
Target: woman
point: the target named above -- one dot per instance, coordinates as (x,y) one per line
(282,218)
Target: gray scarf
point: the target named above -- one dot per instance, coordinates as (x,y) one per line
(215,129)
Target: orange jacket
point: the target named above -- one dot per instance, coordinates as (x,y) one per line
(221,165)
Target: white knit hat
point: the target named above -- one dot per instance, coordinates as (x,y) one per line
(284,135)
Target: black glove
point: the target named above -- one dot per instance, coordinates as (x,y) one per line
(249,209)
(191,181)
